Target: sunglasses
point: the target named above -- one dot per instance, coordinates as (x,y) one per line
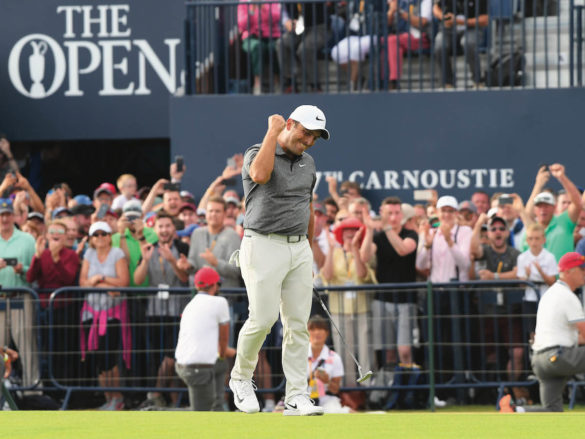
(497,229)
(100,234)
(56,231)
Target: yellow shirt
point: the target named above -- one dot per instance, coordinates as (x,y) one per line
(345,273)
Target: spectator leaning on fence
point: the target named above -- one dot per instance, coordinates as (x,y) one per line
(541,207)
(16,252)
(394,312)
(412,20)
(462,22)
(499,262)
(259,26)
(350,309)
(105,330)
(55,266)
(159,265)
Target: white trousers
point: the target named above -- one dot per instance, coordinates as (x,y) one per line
(278,277)
(352,48)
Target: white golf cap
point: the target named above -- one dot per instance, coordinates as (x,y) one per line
(492,212)
(100,226)
(448,201)
(311,118)
(544,197)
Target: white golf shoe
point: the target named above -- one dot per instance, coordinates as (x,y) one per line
(301,405)
(244,396)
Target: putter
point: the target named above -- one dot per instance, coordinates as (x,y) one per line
(363,376)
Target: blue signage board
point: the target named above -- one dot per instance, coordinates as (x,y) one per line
(89,70)
(395,143)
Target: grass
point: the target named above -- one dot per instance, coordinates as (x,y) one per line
(467,423)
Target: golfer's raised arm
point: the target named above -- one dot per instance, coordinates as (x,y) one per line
(263,164)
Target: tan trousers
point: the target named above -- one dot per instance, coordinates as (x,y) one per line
(278,277)
(24,335)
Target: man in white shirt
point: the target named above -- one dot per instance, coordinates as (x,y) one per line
(560,334)
(204,324)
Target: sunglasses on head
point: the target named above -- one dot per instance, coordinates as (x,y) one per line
(57,231)
(100,234)
(497,229)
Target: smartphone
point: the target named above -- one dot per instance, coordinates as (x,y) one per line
(229,181)
(170,187)
(505,199)
(102,211)
(11,262)
(179,163)
(231,163)
(423,195)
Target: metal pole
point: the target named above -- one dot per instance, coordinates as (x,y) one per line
(579,46)
(431,348)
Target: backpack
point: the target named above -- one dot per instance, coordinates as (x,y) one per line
(505,62)
(405,398)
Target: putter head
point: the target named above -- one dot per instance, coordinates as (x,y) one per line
(364,377)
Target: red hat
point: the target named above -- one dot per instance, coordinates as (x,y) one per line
(348,223)
(571,260)
(206,277)
(105,187)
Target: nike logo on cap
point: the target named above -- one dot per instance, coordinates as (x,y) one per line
(318,118)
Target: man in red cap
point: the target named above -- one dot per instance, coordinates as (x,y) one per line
(204,326)
(558,351)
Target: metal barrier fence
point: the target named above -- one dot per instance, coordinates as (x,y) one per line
(348,46)
(471,339)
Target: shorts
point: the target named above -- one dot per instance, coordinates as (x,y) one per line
(109,351)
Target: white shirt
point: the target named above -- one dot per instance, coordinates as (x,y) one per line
(331,362)
(323,244)
(547,262)
(558,311)
(199,329)
(426,11)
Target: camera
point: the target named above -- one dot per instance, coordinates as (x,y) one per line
(171,187)
(11,262)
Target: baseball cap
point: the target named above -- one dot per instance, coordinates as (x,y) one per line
(571,260)
(99,226)
(104,187)
(187,231)
(206,277)
(407,212)
(232,200)
(201,211)
(318,207)
(447,201)
(6,205)
(467,205)
(82,199)
(311,118)
(493,211)
(494,219)
(189,206)
(36,215)
(83,209)
(59,210)
(187,194)
(544,197)
(133,205)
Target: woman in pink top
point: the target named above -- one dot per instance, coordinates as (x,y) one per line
(259,26)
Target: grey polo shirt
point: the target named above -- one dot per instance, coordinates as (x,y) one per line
(282,204)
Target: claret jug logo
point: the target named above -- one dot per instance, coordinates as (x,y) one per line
(97,41)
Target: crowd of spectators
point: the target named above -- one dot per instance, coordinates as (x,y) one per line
(117,239)
(283,43)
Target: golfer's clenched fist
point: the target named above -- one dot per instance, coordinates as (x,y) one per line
(276,123)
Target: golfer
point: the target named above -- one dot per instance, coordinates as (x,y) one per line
(560,335)
(275,255)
